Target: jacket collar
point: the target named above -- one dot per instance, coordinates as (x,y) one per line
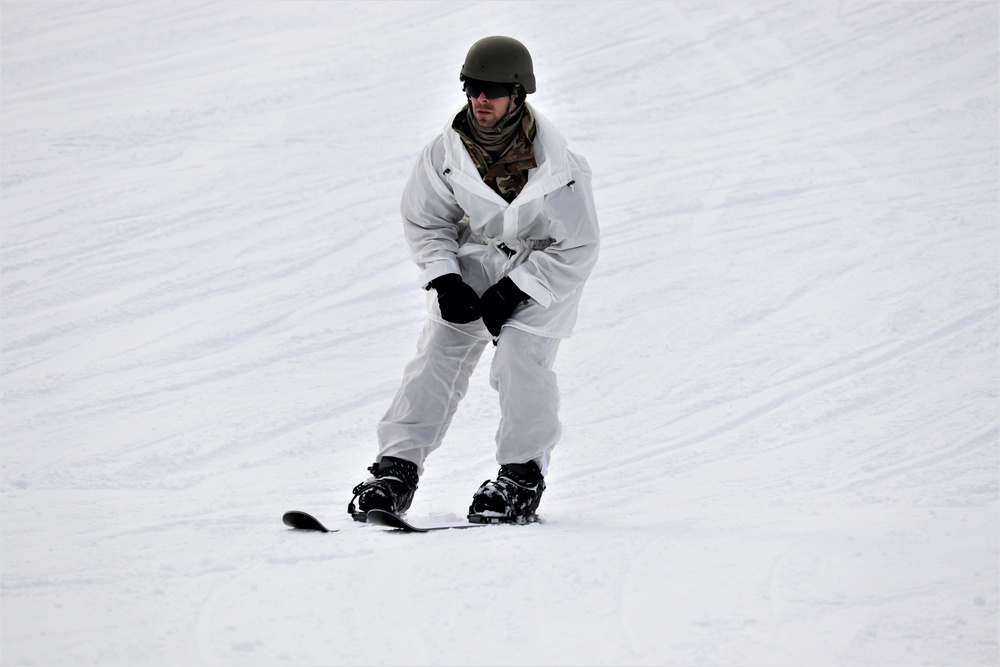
(550,147)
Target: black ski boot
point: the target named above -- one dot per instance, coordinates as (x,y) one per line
(512,498)
(391,488)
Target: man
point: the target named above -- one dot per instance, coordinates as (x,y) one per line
(500,220)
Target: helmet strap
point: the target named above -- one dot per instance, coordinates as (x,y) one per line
(513,111)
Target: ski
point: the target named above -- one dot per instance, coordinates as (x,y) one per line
(390,520)
(303,521)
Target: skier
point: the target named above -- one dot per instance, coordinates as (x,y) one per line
(500,219)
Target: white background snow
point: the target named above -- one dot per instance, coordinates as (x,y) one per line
(780,407)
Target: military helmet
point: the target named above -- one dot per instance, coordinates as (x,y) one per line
(499,60)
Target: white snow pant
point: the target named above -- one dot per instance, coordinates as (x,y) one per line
(437,378)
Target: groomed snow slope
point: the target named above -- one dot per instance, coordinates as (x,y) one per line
(780,407)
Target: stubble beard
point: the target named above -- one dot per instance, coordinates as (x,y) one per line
(494,117)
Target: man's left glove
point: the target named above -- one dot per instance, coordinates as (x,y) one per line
(498,303)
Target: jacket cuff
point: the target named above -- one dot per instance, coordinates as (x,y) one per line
(530,286)
(438,269)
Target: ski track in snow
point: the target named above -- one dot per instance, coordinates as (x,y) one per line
(780,407)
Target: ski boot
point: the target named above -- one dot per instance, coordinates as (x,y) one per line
(391,488)
(512,498)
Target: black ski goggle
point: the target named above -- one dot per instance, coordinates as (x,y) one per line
(475,88)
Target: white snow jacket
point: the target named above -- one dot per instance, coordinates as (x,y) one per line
(546,240)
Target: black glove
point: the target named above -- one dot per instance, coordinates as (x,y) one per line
(459,303)
(499,302)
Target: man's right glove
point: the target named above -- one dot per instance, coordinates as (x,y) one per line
(459,303)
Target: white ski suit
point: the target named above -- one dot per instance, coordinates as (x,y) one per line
(546,241)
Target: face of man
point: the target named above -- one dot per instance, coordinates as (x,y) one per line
(488,112)
(490,101)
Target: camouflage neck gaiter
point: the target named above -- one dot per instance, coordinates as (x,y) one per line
(494,139)
(503,158)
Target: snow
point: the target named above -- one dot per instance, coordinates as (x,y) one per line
(780,407)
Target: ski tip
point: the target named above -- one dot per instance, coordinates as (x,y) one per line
(304,521)
(387,519)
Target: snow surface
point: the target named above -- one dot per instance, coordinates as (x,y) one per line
(781,404)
